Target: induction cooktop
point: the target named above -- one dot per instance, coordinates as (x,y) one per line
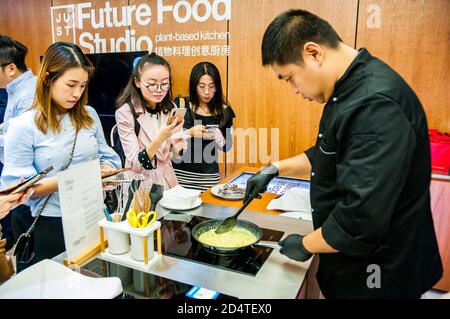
(177,241)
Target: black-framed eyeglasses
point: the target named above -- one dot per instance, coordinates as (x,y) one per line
(5,64)
(153,87)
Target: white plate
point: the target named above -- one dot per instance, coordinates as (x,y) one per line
(215,192)
(197,203)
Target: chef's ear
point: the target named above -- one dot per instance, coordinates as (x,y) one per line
(314,51)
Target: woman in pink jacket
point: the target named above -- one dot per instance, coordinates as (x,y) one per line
(147,101)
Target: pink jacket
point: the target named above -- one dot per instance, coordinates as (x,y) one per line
(133,144)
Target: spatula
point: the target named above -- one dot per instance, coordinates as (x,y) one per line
(229,223)
(156,193)
(131,189)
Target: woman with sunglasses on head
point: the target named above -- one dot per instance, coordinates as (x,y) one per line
(146,101)
(59,131)
(208,122)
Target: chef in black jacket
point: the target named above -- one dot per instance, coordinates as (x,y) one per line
(370,166)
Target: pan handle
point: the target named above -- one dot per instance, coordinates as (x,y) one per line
(268,244)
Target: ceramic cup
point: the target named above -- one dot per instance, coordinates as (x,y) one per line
(137,247)
(118,242)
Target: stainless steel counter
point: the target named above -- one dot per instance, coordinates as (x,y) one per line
(279,277)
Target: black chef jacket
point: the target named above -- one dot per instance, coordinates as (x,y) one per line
(370,187)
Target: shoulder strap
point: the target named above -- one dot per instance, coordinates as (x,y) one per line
(182,103)
(137,126)
(30,230)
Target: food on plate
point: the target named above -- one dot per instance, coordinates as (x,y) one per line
(235,238)
(231,190)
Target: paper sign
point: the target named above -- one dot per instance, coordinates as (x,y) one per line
(81,199)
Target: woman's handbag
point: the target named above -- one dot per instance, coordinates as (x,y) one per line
(24,250)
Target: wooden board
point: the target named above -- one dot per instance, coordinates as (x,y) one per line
(260,100)
(413,39)
(29,22)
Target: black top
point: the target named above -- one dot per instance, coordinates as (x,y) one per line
(370,187)
(201,156)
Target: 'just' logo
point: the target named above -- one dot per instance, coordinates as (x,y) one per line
(63,23)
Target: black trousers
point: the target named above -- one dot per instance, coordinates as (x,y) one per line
(48,238)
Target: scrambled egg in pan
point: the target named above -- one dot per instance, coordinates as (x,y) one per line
(235,238)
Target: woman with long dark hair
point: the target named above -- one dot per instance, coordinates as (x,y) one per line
(209,122)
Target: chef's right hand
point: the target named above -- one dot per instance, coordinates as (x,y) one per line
(292,247)
(258,183)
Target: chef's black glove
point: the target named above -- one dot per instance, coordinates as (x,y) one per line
(258,183)
(292,247)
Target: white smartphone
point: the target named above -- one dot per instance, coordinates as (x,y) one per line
(211,126)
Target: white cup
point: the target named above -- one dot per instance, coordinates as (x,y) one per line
(137,247)
(118,242)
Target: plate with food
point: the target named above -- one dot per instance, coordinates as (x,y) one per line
(228,191)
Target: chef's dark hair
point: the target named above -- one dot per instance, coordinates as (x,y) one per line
(12,51)
(287,34)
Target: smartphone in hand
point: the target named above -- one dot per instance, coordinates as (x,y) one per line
(210,131)
(211,127)
(24,185)
(109,177)
(176,115)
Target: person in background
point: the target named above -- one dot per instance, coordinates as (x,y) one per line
(7,202)
(59,124)
(20,83)
(147,100)
(20,88)
(206,105)
(370,166)
(3,102)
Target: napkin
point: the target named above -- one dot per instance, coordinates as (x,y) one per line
(294,200)
(179,195)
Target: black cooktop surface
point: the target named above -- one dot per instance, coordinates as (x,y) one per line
(141,285)
(177,241)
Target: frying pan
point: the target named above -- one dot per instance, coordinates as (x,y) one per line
(214,223)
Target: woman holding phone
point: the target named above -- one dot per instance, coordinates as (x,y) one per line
(208,121)
(59,131)
(146,101)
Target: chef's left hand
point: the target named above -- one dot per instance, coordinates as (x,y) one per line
(292,247)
